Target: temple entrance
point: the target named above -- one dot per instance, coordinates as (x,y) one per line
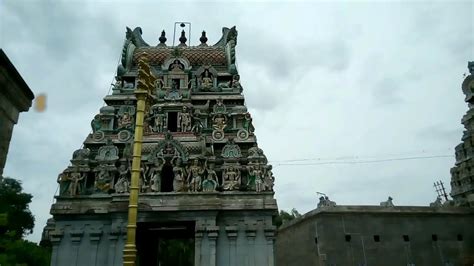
(167,177)
(165,244)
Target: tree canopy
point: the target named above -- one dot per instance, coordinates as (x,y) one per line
(16,221)
(284,217)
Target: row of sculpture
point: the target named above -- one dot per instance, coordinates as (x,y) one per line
(193,177)
(187,120)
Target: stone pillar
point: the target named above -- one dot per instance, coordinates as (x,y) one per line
(55,238)
(198,234)
(76,236)
(251,232)
(212,234)
(94,237)
(232,232)
(270,237)
(113,238)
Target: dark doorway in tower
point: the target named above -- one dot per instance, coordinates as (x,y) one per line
(167,177)
(173,121)
(165,244)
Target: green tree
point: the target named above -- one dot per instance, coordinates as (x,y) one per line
(284,217)
(16,221)
(17,218)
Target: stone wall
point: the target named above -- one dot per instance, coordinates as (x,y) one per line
(370,235)
(15,97)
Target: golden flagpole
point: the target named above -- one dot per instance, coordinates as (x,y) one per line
(143,94)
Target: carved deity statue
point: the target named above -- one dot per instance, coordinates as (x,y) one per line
(219,122)
(195,175)
(176,66)
(179,182)
(64,183)
(75,187)
(325,202)
(159,121)
(255,178)
(123,184)
(269,179)
(211,182)
(231,178)
(184,120)
(206,81)
(103,180)
(125,120)
(236,83)
(155,176)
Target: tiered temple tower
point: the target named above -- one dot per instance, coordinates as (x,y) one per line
(203,177)
(462,174)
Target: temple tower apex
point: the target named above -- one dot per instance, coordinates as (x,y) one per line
(462,174)
(206,188)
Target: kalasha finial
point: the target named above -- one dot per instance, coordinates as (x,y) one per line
(203,39)
(182,39)
(470,65)
(162,39)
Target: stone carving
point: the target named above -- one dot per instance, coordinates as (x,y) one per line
(255,177)
(231,177)
(71,182)
(176,66)
(325,202)
(159,120)
(96,124)
(269,180)
(123,184)
(219,122)
(231,150)
(211,182)
(108,153)
(155,175)
(179,182)
(195,173)
(80,157)
(387,203)
(236,83)
(207,82)
(184,120)
(247,125)
(75,187)
(168,150)
(125,121)
(103,180)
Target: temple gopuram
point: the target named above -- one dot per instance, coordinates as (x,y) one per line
(205,188)
(462,181)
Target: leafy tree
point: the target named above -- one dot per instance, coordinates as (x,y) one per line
(284,217)
(16,221)
(17,218)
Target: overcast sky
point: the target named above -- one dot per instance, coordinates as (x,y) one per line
(336,82)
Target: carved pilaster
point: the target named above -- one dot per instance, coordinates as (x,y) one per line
(94,237)
(76,237)
(55,238)
(251,233)
(232,233)
(270,237)
(212,234)
(198,234)
(113,238)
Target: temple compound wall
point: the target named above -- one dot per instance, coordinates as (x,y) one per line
(373,235)
(203,179)
(15,97)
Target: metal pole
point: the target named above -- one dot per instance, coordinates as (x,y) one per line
(142,95)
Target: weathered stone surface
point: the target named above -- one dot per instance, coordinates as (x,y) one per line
(373,235)
(15,97)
